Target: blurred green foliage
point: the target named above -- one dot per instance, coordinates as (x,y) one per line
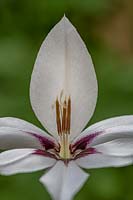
(23,26)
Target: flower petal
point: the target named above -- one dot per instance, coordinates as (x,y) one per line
(100,160)
(111,134)
(64,181)
(100,137)
(116,141)
(63,68)
(113,148)
(16,133)
(21,125)
(22,161)
(108,123)
(117,147)
(11,138)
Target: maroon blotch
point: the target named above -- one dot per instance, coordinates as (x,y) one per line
(83,142)
(44,153)
(86,152)
(45,142)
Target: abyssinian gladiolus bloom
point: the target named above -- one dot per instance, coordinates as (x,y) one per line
(63,93)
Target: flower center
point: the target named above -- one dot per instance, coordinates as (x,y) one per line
(63,121)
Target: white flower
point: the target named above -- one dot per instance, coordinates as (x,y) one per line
(63,95)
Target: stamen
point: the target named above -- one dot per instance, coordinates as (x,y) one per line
(63,121)
(68,116)
(58,121)
(64,117)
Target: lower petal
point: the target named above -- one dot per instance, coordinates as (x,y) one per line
(64,181)
(100,160)
(22,161)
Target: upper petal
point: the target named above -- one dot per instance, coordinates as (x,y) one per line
(22,161)
(63,68)
(16,133)
(64,181)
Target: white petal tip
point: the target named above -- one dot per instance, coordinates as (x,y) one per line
(64,17)
(65,21)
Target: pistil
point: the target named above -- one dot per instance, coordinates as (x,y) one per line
(63,121)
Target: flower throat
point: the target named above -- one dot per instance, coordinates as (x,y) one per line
(63,121)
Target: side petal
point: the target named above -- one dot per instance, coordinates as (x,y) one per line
(100,137)
(17,133)
(117,147)
(100,160)
(21,125)
(63,182)
(112,134)
(11,138)
(108,123)
(113,148)
(63,68)
(23,161)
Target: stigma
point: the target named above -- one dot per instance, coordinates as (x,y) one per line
(63,122)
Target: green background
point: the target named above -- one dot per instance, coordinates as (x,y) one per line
(106,28)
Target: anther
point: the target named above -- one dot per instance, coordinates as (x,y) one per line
(64,117)
(68,116)
(58,121)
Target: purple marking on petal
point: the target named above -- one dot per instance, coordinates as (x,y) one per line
(86,152)
(44,153)
(45,142)
(84,141)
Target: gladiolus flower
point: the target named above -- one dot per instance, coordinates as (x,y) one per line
(63,94)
